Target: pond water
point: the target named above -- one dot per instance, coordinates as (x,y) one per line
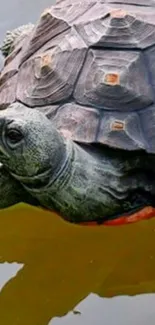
(52,272)
(55,273)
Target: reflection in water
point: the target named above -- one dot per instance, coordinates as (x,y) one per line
(64,263)
(8,271)
(137,310)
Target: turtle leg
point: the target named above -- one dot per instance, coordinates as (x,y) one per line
(11,191)
(13,37)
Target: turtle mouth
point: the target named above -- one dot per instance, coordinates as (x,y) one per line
(3,152)
(41,181)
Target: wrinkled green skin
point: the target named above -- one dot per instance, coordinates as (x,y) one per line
(81,183)
(12,192)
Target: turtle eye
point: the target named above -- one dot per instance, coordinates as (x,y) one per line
(14,136)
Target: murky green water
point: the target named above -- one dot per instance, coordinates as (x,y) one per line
(55,273)
(64,273)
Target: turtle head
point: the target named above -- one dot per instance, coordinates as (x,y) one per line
(13,37)
(29,145)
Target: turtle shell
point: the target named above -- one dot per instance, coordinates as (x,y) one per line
(90,66)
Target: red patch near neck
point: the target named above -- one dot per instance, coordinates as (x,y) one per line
(143,214)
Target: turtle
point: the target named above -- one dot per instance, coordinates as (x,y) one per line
(77,112)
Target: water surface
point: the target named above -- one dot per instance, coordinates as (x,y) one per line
(55,273)
(66,272)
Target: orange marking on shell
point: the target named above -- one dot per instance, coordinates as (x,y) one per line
(118,13)
(46,60)
(45,64)
(112,79)
(117,126)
